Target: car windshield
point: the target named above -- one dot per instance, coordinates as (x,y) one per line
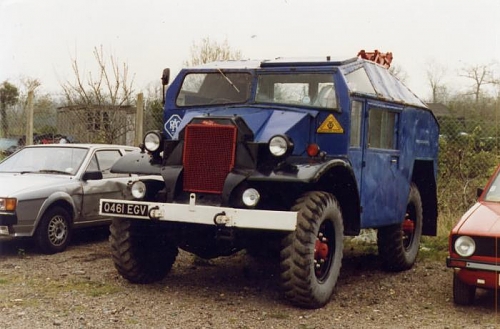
(50,159)
(304,89)
(201,89)
(493,193)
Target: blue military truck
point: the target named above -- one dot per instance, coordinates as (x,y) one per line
(284,156)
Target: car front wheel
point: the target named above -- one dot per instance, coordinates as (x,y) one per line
(54,230)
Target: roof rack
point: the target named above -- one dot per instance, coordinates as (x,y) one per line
(376,56)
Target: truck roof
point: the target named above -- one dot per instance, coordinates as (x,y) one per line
(277,62)
(363,77)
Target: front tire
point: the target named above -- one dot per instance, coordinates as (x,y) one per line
(53,233)
(141,254)
(398,244)
(311,256)
(463,294)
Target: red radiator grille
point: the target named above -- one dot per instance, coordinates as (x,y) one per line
(208,156)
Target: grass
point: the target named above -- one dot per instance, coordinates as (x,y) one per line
(53,289)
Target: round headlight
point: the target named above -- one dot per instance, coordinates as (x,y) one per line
(152,141)
(465,246)
(278,146)
(250,197)
(138,190)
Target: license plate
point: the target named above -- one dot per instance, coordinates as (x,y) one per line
(127,209)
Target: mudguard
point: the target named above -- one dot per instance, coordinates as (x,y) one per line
(297,170)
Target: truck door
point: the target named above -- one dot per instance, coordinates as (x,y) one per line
(377,162)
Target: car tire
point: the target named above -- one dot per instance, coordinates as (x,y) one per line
(398,244)
(311,256)
(463,294)
(140,254)
(53,233)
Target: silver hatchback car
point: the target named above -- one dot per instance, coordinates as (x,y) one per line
(48,190)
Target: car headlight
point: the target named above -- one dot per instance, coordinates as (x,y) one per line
(280,145)
(8,204)
(152,141)
(465,246)
(138,190)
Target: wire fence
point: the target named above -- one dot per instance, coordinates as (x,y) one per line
(469,148)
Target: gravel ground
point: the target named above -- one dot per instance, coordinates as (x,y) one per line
(81,289)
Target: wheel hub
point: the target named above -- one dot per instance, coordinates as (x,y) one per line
(321,254)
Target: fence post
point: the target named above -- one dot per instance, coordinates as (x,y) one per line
(29,119)
(139,119)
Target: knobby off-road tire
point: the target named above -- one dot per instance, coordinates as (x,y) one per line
(140,253)
(311,256)
(397,248)
(53,233)
(463,294)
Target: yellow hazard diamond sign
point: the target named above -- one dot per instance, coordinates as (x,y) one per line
(330,126)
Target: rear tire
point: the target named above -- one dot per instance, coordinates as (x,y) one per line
(140,252)
(398,244)
(463,294)
(53,233)
(311,256)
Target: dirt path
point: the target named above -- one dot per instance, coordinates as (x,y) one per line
(81,289)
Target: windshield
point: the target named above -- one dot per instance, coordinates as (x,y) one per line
(53,159)
(309,89)
(214,88)
(493,193)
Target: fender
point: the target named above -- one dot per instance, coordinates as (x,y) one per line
(139,163)
(54,198)
(300,171)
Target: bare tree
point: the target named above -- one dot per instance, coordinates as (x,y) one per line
(9,95)
(481,75)
(30,84)
(208,50)
(435,77)
(100,100)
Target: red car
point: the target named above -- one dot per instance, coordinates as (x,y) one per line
(474,245)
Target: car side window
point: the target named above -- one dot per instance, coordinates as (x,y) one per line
(104,160)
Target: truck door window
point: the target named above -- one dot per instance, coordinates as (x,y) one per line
(381,129)
(356,115)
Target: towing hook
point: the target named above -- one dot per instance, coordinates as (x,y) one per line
(150,213)
(219,222)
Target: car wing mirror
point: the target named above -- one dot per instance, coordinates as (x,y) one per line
(92,175)
(479,191)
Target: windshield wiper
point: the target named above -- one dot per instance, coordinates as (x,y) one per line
(53,171)
(229,80)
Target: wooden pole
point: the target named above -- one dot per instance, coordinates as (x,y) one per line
(139,119)
(29,119)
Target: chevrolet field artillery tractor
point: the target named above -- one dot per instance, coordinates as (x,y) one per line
(287,156)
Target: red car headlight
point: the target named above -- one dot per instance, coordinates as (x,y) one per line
(465,246)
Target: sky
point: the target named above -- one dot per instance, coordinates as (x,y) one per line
(40,38)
